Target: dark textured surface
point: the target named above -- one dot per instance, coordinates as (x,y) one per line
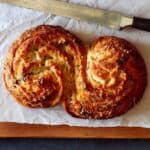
(73,144)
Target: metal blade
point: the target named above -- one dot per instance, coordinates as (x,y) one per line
(103,17)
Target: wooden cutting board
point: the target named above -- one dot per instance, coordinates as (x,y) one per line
(10,130)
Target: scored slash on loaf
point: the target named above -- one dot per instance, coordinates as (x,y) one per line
(48,65)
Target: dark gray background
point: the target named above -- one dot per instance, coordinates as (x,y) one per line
(73,144)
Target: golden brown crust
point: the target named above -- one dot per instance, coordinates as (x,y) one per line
(48,64)
(38,66)
(115,80)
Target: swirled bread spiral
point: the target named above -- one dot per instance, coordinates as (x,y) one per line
(39,70)
(48,64)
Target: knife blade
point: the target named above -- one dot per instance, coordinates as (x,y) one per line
(107,18)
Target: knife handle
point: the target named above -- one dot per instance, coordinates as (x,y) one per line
(141,23)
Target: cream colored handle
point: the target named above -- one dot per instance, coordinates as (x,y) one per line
(103,17)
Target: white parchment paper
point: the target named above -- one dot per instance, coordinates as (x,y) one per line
(14,20)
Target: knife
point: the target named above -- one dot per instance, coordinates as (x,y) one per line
(107,18)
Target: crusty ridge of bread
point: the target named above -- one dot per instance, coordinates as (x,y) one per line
(48,65)
(116,78)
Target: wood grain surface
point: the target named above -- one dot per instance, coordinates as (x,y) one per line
(13,130)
